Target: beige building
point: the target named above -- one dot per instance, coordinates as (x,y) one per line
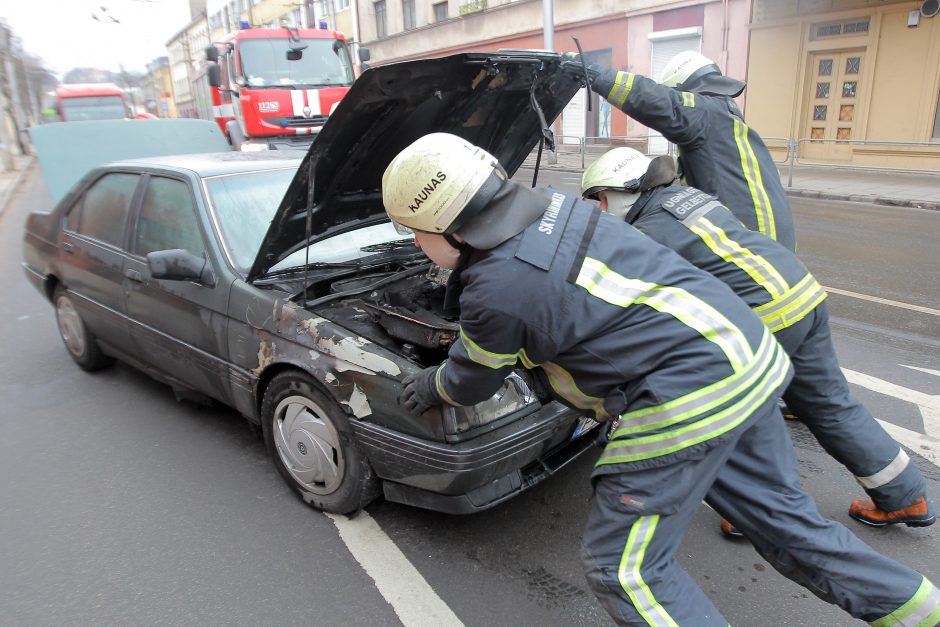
(861,71)
(186,53)
(639,36)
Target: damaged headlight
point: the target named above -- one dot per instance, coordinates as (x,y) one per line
(516,396)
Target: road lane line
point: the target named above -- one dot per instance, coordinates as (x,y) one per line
(884,301)
(935,373)
(409,594)
(928,404)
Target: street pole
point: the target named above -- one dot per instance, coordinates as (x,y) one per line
(549,24)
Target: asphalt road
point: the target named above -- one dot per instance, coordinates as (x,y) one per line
(120,505)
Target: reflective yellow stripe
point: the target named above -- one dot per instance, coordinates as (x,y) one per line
(701,401)
(564,385)
(793,305)
(688,99)
(922,610)
(756,267)
(440,386)
(493,360)
(631,578)
(659,444)
(751,169)
(615,289)
(623,83)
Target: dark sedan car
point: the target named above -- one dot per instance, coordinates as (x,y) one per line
(306,314)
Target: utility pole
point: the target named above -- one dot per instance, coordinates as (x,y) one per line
(549,24)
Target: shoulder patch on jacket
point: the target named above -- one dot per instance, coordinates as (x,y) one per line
(687,205)
(540,240)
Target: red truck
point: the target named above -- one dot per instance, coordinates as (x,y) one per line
(76,102)
(273,88)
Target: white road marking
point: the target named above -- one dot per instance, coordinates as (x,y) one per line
(929,404)
(935,373)
(414,601)
(884,301)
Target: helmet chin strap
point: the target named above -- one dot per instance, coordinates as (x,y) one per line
(619,203)
(454,242)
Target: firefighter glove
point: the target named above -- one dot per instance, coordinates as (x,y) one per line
(419,392)
(572,63)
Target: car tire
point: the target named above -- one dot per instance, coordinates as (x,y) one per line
(80,343)
(313,447)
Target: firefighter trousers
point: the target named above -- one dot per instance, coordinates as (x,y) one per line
(819,395)
(639,516)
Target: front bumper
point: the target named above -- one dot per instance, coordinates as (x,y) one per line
(470,476)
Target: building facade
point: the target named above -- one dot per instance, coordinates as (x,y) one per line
(638,36)
(858,71)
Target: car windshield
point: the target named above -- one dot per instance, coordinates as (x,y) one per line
(93,108)
(323,62)
(244,205)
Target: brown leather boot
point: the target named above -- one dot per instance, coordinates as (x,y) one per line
(729,530)
(918,514)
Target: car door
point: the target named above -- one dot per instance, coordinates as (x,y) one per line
(93,250)
(179,326)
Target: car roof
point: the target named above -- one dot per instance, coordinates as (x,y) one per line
(220,163)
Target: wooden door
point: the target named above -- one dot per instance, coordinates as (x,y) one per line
(831,110)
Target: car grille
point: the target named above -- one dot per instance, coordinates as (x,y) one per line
(293,122)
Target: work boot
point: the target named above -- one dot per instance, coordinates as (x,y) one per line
(729,530)
(919,514)
(785,410)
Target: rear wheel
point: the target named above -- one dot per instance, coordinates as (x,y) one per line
(312,445)
(79,341)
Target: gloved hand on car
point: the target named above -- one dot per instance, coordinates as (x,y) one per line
(571,62)
(419,392)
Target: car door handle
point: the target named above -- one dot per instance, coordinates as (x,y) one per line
(133,275)
(67,247)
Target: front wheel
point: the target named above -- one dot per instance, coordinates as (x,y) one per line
(312,445)
(79,341)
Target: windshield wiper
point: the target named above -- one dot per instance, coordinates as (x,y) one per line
(397,244)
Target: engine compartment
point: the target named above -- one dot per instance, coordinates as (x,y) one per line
(405,315)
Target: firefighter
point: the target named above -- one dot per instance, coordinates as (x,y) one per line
(683,374)
(693,107)
(783,293)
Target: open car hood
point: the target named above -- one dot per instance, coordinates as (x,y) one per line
(482,97)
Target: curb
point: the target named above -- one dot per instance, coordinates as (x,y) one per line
(12,187)
(799,193)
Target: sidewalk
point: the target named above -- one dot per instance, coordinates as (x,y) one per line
(899,189)
(10,179)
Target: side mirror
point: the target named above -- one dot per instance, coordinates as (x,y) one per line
(364,55)
(213,73)
(294,55)
(180,265)
(212,54)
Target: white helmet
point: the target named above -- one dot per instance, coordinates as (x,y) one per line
(682,66)
(618,170)
(439,182)
(691,71)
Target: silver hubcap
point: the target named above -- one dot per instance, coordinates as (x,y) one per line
(70,326)
(308,444)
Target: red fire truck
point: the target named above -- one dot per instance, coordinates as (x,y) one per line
(91,101)
(274,87)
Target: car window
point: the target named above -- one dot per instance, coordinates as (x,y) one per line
(71,216)
(343,247)
(105,208)
(244,205)
(168,218)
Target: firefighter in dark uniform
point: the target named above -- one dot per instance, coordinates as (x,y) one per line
(685,376)
(693,107)
(783,293)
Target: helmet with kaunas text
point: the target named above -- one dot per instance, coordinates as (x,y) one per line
(685,66)
(618,170)
(440,182)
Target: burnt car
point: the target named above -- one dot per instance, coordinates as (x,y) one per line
(305,314)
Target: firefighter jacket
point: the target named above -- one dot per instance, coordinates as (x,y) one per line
(617,325)
(718,153)
(770,278)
